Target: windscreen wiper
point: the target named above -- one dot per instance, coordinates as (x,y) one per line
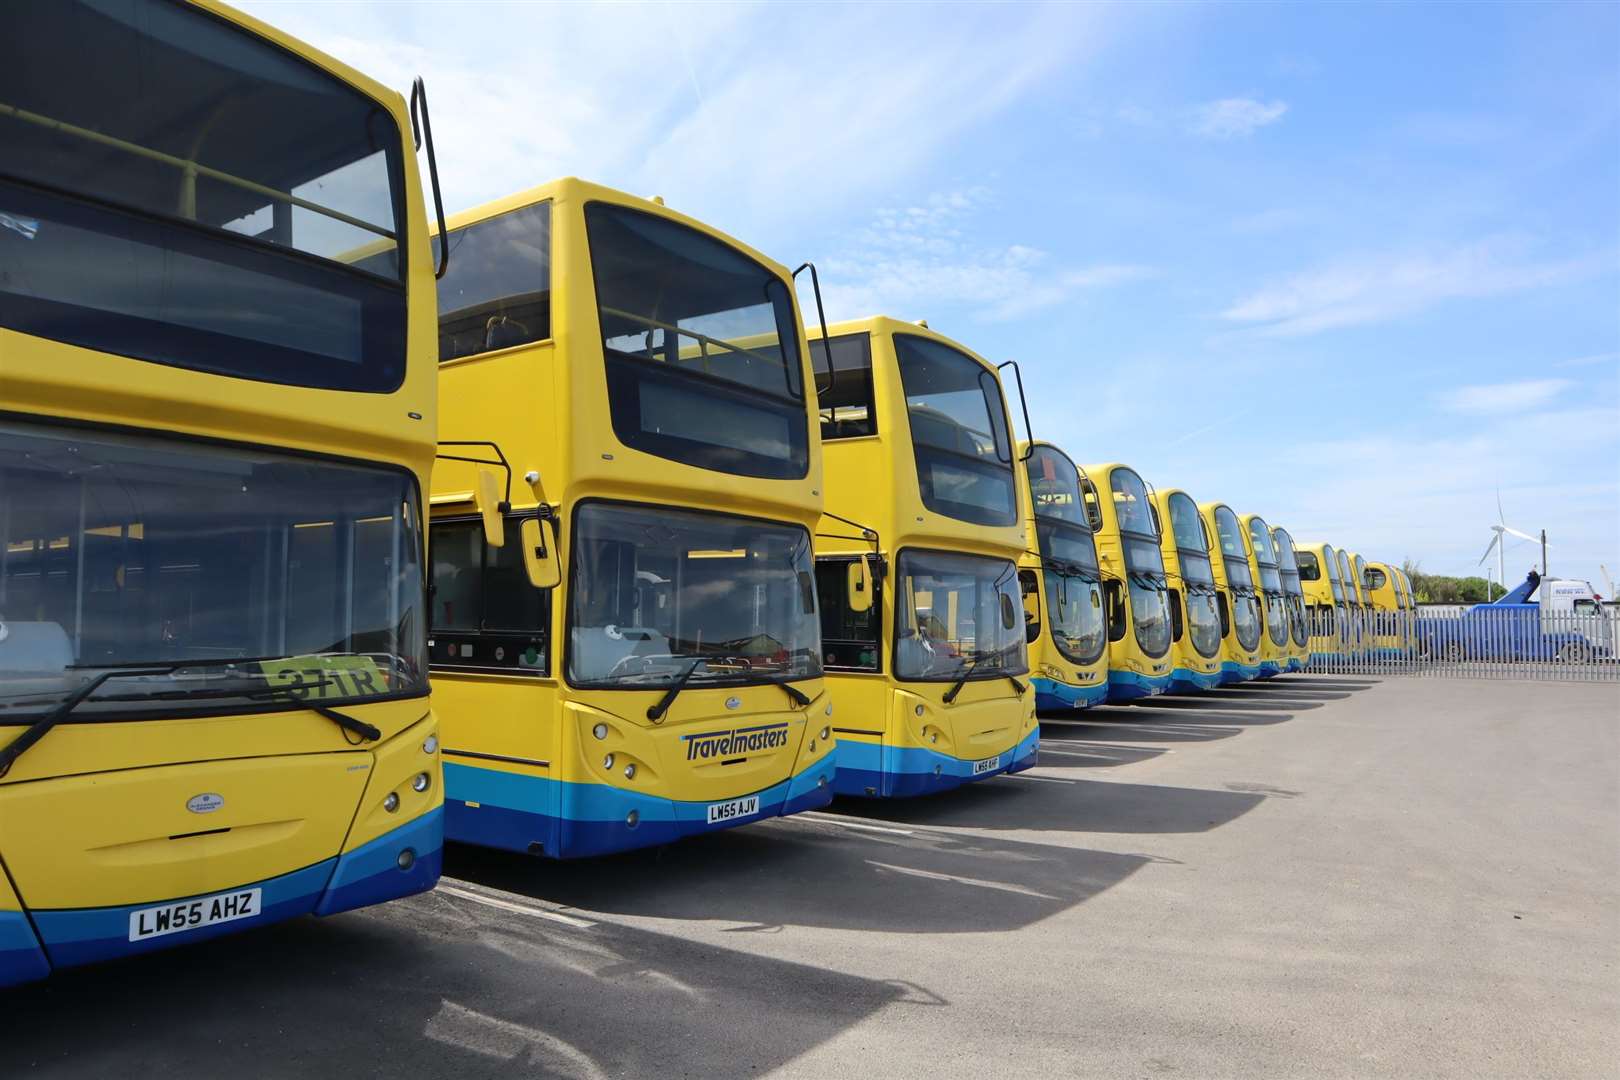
(800,698)
(42,727)
(956,687)
(36,731)
(655,713)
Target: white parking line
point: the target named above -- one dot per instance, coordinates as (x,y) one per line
(848,823)
(980,883)
(1042,779)
(515,908)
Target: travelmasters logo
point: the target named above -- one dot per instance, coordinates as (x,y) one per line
(713,744)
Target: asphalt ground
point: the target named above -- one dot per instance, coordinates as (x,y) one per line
(1313,877)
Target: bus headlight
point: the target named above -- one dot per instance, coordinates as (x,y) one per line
(391,802)
(826,733)
(600,731)
(607,762)
(430,745)
(420,782)
(630,771)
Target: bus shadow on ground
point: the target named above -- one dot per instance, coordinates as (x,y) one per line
(1136,724)
(818,871)
(1059,804)
(436,986)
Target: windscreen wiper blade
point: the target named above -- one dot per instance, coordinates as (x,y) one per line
(800,698)
(36,731)
(656,712)
(956,687)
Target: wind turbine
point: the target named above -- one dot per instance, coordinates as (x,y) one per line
(1500,531)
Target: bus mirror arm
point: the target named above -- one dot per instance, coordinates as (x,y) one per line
(422,131)
(821,317)
(1023,403)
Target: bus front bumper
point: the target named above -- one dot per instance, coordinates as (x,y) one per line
(371,873)
(1126,686)
(871,770)
(1234,672)
(1060,696)
(1188,681)
(569,820)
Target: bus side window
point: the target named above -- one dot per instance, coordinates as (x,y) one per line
(1030,584)
(1114,597)
(485,614)
(850,640)
(847,408)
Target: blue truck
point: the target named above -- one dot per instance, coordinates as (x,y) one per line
(1542,619)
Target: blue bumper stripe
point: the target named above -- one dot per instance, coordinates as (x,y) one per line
(870,769)
(1051,694)
(21,959)
(371,873)
(1234,672)
(89,935)
(569,820)
(1187,681)
(1130,686)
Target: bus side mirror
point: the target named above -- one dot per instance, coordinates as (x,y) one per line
(488,498)
(859,586)
(539,558)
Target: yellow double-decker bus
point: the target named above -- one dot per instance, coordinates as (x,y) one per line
(1242,621)
(1195,602)
(1298,651)
(1273,600)
(1357,635)
(1325,606)
(916,564)
(217,408)
(1136,591)
(625,639)
(1062,585)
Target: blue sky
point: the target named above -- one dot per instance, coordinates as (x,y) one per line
(1353,267)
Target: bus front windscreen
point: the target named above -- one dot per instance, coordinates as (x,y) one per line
(958,432)
(1235,557)
(1074,596)
(1054,486)
(701,346)
(207,200)
(241,580)
(957,616)
(1332,561)
(659,596)
(1198,579)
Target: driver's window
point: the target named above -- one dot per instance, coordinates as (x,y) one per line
(1029,585)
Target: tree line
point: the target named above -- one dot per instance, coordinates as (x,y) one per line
(1444,589)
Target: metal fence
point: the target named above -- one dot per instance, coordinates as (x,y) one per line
(1481,642)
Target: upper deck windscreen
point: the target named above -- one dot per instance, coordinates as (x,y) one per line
(1187,524)
(1131,506)
(958,432)
(1234,554)
(701,344)
(1054,486)
(178,190)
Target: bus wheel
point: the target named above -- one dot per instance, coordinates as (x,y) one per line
(1576,652)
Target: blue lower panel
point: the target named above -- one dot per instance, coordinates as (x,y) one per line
(872,770)
(367,875)
(89,935)
(1270,669)
(1131,686)
(1054,695)
(21,959)
(1234,672)
(568,820)
(371,874)
(1187,681)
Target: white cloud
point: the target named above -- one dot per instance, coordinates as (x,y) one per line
(1378,288)
(913,260)
(753,116)
(1503,397)
(1235,118)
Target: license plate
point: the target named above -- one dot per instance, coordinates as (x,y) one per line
(185,915)
(987,765)
(731,811)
